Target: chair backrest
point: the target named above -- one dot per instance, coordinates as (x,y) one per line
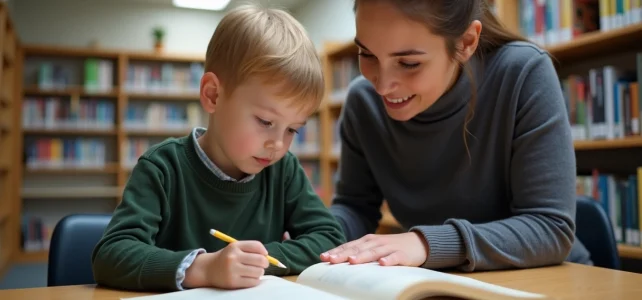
(72,243)
(594,229)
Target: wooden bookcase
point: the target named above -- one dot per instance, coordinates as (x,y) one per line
(615,46)
(9,132)
(85,117)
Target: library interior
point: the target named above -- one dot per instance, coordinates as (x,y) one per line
(87,87)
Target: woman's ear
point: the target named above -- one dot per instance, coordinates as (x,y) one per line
(469,41)
(210,87)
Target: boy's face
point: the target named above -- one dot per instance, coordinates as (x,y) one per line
(252,128)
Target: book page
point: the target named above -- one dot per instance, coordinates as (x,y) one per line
(270,288)
(372,281)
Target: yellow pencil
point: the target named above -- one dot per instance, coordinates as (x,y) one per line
(226,238)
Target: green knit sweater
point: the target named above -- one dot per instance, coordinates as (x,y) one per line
(172,201)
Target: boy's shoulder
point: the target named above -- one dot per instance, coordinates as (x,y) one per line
(168,149)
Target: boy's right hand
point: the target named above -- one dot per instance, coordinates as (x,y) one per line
(238,265)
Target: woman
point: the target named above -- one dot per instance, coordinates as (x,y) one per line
(461,127)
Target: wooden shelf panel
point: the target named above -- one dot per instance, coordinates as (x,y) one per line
(36,256)
(598,43)
(71,192)
(70,91)
(4,215)
(164,96)
(626,251)
(629,142)
(56,51)
(166,57)
(155,133)
(107,169)
(84,132)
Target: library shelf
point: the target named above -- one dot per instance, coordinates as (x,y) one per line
(164,96)
(598,43)
(5,127)
(84,132)
(156,132)
(4,215)
(111,168)
(71,192)
(48,51)
(69,91)
(634,252)
(306,156)
(32,256)
(166,57)
(628,142)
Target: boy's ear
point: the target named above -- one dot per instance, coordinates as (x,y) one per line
(210,88)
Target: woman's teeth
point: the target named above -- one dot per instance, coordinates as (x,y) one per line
(398,100)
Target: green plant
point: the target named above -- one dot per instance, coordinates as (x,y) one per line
(159,33)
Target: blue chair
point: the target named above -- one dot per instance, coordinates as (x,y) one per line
(594,230)
(72,243)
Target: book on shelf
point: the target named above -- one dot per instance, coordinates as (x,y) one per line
(306,141)
(550,22)
(35,234)
(57,113)
(344,70)
(606,103)
(150,78)
(621,199)
(98,75)
(163,116)
(363,281)
(65,153)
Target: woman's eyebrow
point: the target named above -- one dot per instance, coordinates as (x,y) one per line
(398,53)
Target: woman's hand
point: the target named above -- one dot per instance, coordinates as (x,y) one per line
(406,249)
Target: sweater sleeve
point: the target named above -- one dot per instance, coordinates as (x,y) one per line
(313,230)
(126,257)
(542,181)
(358,199)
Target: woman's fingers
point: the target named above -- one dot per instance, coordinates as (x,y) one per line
(341,253)
(370,254)
(392,259)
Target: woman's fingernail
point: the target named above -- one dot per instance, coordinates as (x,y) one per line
(333,256)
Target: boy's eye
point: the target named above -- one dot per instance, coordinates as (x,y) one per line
(293,131)
(264,122)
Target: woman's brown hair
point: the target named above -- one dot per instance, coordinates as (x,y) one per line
(450,19)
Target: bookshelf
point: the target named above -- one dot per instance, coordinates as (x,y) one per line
(9,44)
(8,132)
(86,115)
(609,152)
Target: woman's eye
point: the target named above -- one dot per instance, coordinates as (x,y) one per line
(264,122)
(408,66)
(366,55)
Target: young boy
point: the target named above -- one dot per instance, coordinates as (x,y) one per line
(262,80)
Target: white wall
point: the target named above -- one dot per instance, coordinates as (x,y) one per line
(327,20)
(121,24)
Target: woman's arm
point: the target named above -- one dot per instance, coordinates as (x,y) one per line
(357,201)
(542,181)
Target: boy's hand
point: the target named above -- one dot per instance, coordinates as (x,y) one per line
(238,265)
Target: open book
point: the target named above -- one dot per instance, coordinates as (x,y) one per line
(364,281)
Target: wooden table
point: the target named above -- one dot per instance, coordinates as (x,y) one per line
(568,281)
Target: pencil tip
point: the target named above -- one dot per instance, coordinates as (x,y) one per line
(212,231)
(281,265)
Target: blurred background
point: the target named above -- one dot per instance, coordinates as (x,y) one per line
(87,86)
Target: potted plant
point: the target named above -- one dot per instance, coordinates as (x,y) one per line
(159,34)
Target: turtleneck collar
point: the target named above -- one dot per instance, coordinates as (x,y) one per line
(453,102)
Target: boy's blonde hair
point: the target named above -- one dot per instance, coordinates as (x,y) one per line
(269,43)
